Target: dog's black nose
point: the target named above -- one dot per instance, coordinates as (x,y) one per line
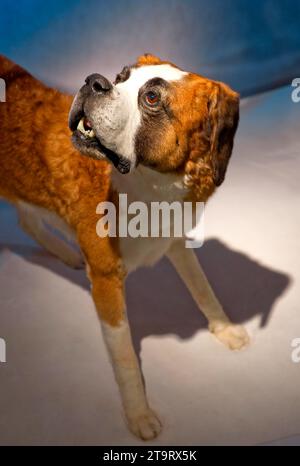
(98,83)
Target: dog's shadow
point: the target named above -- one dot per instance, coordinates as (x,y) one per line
(158,302)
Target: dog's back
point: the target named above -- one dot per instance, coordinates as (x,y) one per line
(23,121)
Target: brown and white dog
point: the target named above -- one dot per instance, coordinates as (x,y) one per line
(156,133)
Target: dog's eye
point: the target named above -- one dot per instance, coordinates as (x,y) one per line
(151,97)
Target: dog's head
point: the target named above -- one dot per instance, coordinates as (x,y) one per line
(157,115)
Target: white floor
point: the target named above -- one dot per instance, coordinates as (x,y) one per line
(57,385)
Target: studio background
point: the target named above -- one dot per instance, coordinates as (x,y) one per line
(253,46)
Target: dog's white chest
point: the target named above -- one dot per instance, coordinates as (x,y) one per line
(138,252)
(145,186)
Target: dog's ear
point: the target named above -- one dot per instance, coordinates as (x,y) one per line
(223,117)
(148,59)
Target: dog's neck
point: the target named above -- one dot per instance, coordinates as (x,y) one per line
(146,184)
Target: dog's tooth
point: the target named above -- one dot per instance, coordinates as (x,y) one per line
(80,126)
(87,132)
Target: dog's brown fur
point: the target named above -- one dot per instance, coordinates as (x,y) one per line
(39,165)
(206,119)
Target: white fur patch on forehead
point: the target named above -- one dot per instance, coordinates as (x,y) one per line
(139,76)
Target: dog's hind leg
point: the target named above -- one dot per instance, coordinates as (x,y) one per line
(187,265)
(34,221)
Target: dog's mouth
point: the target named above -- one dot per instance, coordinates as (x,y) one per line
(86,129)
(85,140)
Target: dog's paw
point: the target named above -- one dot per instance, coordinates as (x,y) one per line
(146,426)
(235,337)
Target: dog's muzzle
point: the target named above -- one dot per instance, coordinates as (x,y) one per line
(85,137)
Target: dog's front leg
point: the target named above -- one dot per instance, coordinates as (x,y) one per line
(187,265)
(108,295)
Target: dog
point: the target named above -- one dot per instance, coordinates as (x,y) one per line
(156,133)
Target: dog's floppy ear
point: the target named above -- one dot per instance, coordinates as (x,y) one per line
(223,118)
(148,59)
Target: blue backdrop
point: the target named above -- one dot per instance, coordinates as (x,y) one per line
(253,45)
